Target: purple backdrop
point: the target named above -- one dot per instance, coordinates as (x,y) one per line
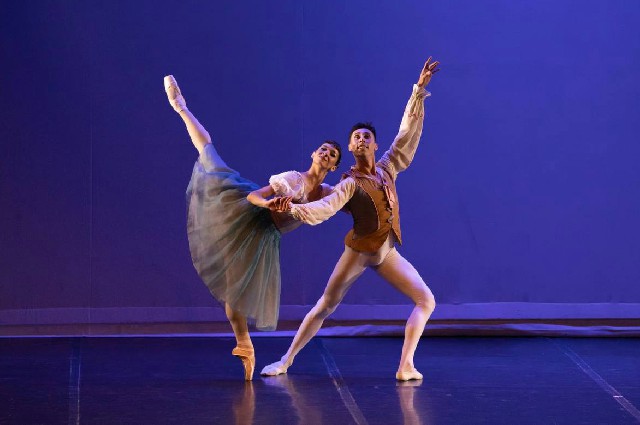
(522,201)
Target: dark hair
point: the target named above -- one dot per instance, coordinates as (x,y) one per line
(360,125)
(338,148)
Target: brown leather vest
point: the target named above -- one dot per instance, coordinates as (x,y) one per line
(375,210)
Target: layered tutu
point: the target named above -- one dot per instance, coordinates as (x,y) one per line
(234,244)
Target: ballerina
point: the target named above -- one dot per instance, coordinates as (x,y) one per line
(234,228)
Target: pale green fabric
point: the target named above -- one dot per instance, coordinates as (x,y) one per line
(234,245)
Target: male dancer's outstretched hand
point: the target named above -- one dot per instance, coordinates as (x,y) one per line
(428,70)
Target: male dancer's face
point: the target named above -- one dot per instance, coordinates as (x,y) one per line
(363,143)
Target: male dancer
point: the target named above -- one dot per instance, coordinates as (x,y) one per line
(368,192)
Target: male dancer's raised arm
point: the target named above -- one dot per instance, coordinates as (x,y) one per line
(402,150)
(398,156)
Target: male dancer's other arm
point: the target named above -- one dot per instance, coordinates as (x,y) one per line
(259,198)
(318,211)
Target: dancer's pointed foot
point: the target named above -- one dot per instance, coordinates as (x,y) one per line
(277,368)
(248,358)
(173,93)
(408,375)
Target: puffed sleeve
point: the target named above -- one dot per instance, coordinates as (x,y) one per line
(288,183)
(403,148)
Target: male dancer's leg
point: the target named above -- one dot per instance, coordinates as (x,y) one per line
(349,267)
(396,270)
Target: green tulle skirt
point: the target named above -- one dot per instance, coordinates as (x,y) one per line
(235,246)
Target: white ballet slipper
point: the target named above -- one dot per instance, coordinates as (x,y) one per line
(408,375)
(277,368)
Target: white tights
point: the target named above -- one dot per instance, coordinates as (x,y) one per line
(396,270)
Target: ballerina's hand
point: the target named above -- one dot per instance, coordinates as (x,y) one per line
(279,204)
(272,204)
(285,204)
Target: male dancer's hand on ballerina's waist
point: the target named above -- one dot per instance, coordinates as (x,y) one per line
(427,72)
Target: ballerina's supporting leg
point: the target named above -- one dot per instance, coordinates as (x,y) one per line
(244,346)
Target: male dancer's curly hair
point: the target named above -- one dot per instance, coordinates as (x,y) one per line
(360,125)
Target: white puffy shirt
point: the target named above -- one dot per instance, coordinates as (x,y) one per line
(397,158)
(291,183)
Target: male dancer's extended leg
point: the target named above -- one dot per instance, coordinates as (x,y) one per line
(349,267)
(396,270)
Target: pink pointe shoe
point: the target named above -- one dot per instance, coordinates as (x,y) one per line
(248,361)
(173,93)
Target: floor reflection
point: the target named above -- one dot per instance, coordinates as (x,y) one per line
(302,401)
(406,395)
(244,406)
(185,380)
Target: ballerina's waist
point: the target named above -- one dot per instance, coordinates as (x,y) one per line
(284,222)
